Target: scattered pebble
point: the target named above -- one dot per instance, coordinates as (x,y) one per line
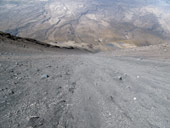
(67,73)
(48,66)
(74,83)
(15,82)
(38,70)
(15,73)
(111,97)
(19,78)
(134,98)
(32,104)
(109,114)
(164,45)
(59,87)
(12,71)
(71,90)
(45,76)
(120,78)
(11,92)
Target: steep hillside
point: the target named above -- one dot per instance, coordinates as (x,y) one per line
(44,87)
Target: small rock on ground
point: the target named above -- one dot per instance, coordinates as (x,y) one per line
(45,76)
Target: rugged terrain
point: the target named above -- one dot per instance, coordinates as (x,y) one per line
(48,87)
(100,24)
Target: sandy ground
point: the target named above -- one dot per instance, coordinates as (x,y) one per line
(52,88)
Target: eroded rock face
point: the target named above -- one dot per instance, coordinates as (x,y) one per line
(102,24)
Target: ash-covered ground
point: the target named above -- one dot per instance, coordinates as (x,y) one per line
(43,87)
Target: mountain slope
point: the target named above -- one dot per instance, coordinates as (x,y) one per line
(58,88)
(99,24)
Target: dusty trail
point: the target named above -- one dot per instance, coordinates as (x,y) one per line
(84,91)
(140,99)
(44,88)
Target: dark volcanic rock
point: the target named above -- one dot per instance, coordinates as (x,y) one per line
(35,122)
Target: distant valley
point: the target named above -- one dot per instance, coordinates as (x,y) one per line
(100,25)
